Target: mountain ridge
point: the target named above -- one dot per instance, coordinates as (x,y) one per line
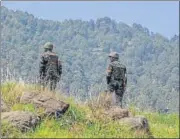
(83,46)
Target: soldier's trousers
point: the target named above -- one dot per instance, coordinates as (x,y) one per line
(117,97)
(50,83)
(117,91)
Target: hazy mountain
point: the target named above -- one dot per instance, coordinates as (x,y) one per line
(152,60)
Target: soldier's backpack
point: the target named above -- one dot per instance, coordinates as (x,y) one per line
(52,64)
(118,71)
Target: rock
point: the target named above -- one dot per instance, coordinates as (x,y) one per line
(20,119)
(136,123)
(116,112)
(52,106)
(4,107)
(27,97)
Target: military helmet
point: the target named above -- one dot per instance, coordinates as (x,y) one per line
(114,54)
(48,45)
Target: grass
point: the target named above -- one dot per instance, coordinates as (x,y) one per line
(83,120)
(161,125)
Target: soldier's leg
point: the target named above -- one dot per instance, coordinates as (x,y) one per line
(46,82)
(110,87)
(51,84)
(111,94)
(42,84)
(114,94)
(114,99)
(119,97)
(54,82)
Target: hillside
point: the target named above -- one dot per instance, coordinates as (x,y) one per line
(151,59)
(81,120)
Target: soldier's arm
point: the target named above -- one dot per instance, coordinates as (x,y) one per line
(109,73)
(59,67)
(42,66)
(125,80)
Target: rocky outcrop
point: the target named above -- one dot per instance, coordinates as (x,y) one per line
(52,106)
(125,117)
(117,113)
(21,119)
(136,123)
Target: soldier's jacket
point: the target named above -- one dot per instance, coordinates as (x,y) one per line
(50,65)
(116,72)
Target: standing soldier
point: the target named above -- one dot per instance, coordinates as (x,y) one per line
(116,78)
(50,67)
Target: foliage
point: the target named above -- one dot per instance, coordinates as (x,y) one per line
(151,59)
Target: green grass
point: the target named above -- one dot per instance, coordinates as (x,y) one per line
(161,125)
(83,120)
(8,131)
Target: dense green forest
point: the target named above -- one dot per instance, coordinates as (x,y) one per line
(152,60)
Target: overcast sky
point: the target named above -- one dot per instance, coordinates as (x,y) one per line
(161,17)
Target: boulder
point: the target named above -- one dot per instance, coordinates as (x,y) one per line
(27,97)
(116,112)
(136,123)
(20,119)
(52,106)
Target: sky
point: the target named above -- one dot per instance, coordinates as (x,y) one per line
(158,16)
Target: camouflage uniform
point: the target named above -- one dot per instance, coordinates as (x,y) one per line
(50,68)
(116,79)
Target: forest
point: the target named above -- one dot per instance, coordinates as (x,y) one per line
(151,59)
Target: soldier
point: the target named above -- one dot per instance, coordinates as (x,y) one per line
(50,67)
(116,78)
